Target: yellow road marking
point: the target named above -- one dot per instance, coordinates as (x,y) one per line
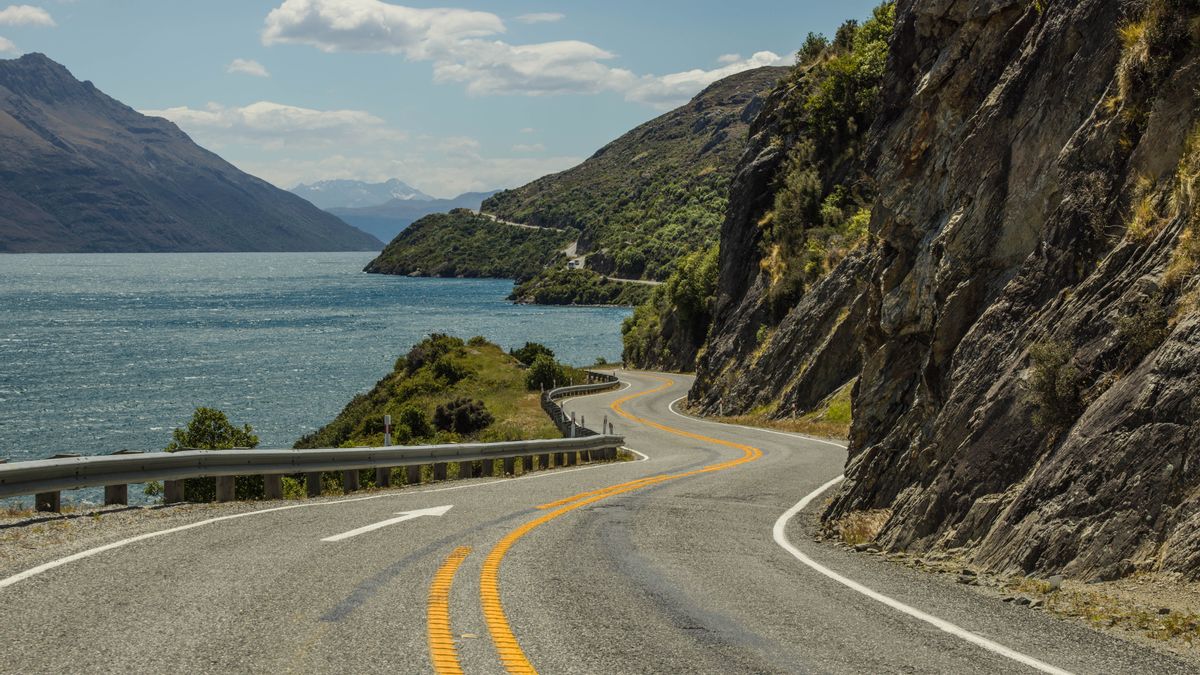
(441,640)
(511,654)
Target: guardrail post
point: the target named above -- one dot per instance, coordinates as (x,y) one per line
(439,471)
(544,461)
(225,488)
(116,495)
(572,458)
(412,474)
(510,466)
(350,481)
(172,491)
(273,486)
(48,502)
(488,467)
(466,469)
(383,476)
(312,484)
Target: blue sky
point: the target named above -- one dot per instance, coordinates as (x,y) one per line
(449,97)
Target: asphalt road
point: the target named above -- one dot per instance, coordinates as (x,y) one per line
(675,570)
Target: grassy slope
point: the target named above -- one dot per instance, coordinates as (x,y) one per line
(656,193)
(494,377)
(461,244)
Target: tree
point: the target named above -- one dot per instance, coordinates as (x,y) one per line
(210,429)
(814,44)
(545,373)
(530,352)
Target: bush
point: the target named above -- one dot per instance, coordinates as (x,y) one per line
(1142,331)
(531,351)
(1056,384)
(431,349)
(210,429)
(415,420)
(450,370)
(545,373)
(462,416)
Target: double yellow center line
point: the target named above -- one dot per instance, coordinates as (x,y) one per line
(511,654)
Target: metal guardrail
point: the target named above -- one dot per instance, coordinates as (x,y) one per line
(48,477)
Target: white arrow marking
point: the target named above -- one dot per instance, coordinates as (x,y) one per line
(404,515)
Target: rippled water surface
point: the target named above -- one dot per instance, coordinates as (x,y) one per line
(104,352)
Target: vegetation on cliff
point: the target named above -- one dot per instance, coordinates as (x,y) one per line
(465,244)
(814,210)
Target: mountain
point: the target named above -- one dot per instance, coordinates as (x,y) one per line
(391,218)
(656,193)
(634,209)
(1019,324)
(333,194)
(82,172)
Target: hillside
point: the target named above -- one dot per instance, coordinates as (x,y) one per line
(388,219)
(437,371)
(332,194)
(465,244)
(81,172)
(657,192)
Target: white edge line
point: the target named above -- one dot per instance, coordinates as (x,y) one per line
(46,567)
(780,534)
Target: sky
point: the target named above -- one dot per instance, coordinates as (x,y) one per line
(449,97)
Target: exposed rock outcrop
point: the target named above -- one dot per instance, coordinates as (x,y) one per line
(1032,347)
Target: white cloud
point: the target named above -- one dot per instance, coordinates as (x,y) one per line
(247,67)
(6,46)
(287,145)
(729,58)
(541,17)
(275,126)
(528,130)
(668,91)
(25,15)
(460,45)
(529,147)
(374,26)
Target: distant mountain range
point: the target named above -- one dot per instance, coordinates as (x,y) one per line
(385,221)
(82,172)
(343,194)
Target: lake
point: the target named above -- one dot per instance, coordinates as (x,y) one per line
(110,351)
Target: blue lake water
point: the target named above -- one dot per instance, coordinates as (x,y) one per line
(104,352)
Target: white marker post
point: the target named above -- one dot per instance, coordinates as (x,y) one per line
(383,474)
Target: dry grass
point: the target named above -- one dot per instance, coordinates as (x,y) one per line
(860,527)
(1143,221)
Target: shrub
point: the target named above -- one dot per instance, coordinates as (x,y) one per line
(531,351)
(429,350)
(450,369)
(210,429)
(545,373)
(1142,331)
(1056,385)
(462,416)
(415,420)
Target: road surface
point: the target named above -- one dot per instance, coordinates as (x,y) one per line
(677,563)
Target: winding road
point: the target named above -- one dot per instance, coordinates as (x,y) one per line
(696,558)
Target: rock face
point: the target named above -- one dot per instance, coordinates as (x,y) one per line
(81,172)
(1031,347)
(753,360)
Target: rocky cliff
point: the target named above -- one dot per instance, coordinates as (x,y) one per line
(1031,347)
(81,172)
